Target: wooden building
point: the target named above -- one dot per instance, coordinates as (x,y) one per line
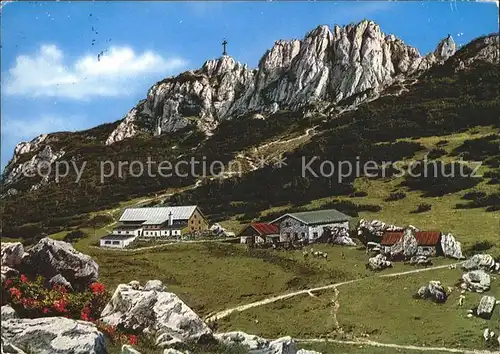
(259,233)
(429,242)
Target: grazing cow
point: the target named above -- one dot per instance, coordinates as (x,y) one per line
(316,254)
(305,254)
(342,255)
(325,255)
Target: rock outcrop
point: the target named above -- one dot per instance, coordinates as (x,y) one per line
(128,349)
(379,262)
(476,281)
(375,228)
(9,348)
(172,351)
(258,345)
(8,312)
(433,291)
(480,261)
(12,254)
(41,153)
(157,312)
(407,246)
(484,49)
(420,260)
(329,64)
(50,258)
(451,247)
(338,236)
(486,307)
(53,335)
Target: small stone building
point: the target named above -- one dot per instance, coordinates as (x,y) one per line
(259,233)
(309,225)
(429,242)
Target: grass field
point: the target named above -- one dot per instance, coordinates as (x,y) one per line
(381,308)
(213,276)
(360,348)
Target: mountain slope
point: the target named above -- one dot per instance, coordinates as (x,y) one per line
(354,61)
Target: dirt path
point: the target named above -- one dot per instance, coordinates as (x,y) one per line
(269,300)
(396,346)
(309,131)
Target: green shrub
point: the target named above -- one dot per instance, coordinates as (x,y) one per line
(74,235)
(421,208)
(395,196)
(435,153)
(481,246)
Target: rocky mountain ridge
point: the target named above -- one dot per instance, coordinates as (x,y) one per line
(327,65)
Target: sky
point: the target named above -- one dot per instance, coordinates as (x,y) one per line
(69,66)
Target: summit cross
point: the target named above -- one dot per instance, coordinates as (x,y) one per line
(224,43)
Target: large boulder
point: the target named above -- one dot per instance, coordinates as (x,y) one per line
(480,261)
(128,349)
(12,254)
(8,313)
(476,280)
(53,335)
(338,236)
(50,258)
(420,260)
(172,351)
(258,345)
(486,307)
(154,285)
(433,291)
(379,262)
(451,247)
(374,229)
(407,246)
(156,312)
(6,273)
(61,281)
(9,348)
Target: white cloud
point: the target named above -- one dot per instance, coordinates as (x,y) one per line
(113,73)
(16,130)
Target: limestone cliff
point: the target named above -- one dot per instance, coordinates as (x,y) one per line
(327,65)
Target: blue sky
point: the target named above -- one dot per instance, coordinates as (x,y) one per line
(52,79)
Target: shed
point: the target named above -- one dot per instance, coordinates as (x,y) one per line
(429,242)
(259,233)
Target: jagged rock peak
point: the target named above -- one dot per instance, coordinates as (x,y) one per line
(446,48)
(221,66)
(326,65)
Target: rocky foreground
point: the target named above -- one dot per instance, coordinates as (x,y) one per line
(53,303)
(33,323)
